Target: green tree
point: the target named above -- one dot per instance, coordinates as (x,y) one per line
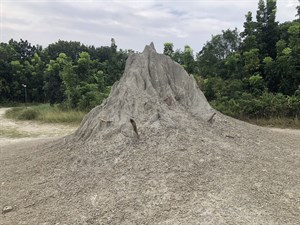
(269,72)
(256,85)
(7,54)
(113,67)
(267,28)
(70,48)
(17,81)
(285,73)
(84,85)
(37,79)
(234,65)
(252,62)
(83,68)
(261,21)
(188,59)
(53,83)
(113,45)
(248,35)
(211,59)
(271,35)
(70,81)
(178,56)
(168,49)
(25,51)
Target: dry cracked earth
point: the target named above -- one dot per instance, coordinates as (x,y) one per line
(29,205)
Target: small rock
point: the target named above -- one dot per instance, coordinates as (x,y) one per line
(7,209)
(229,136)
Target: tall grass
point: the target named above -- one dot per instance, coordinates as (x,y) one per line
(46,113)
(278,122)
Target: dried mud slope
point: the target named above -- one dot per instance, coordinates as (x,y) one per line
(153,89)
(176,167)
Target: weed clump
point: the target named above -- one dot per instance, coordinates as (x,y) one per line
(22,113)
(28,114)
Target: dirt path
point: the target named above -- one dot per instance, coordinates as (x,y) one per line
(12,131)
(286,131)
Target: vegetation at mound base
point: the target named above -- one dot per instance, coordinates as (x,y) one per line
(46,113)
(253,74)
(276,122)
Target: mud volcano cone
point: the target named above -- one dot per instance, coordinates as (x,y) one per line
(153,87)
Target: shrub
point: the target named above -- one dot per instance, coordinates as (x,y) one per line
(28,114)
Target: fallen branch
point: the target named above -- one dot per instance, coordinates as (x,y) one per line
(134,127)
(211,118)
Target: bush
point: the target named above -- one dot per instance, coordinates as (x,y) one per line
(28,114)
(22,113)
(13,113)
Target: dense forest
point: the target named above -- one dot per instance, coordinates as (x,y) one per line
(66,73)
(250,74)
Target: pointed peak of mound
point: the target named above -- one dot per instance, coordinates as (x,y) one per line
(149,48)
(153,90)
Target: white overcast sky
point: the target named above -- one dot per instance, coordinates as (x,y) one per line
(132,23)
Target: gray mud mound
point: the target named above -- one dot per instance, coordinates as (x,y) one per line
(150,155)
(153,89)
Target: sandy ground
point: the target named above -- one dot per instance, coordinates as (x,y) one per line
(231,174)
(286,131)
(250,177)
(32,130)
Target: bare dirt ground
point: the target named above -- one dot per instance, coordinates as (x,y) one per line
(287,131)
(27,131)
(251,178)
(236,186)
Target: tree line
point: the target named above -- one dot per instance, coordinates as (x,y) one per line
(253,73)
(66,73)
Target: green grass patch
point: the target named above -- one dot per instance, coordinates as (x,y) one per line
(276,122)
(46,113)
(22,113)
